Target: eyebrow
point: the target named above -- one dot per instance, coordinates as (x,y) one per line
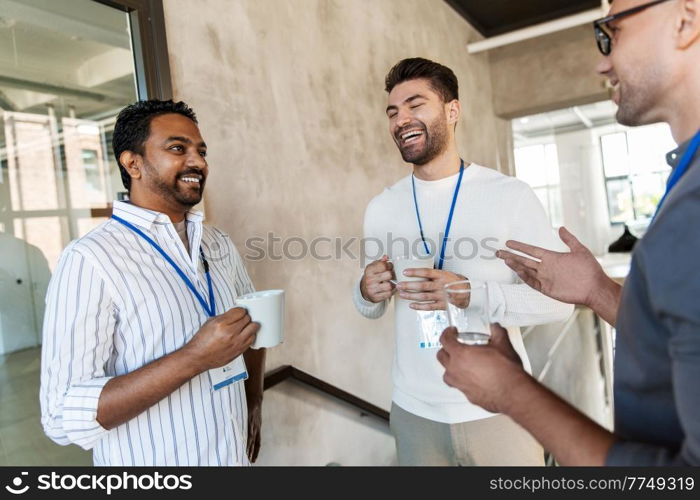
(179,138)
(406,101)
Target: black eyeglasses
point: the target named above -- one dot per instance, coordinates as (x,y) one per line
(602,37)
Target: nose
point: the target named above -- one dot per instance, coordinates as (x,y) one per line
(195,159)
(402,119)
(604,66)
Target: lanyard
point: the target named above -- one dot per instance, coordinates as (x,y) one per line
(449,218)
(681,169)
(211,311)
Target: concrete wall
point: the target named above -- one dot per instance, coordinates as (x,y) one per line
(552,72)
(291,102)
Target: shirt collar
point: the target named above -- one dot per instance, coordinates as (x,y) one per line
(148,218)
(674,157)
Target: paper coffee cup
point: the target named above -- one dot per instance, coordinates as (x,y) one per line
(267,308)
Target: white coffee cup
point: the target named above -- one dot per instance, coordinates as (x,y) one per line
(403,263)
(267,308)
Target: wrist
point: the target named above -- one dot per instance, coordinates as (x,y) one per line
(604,292)
(189,361)
(516,392)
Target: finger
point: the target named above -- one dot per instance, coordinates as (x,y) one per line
(520,268)
(443,357)
(501,341)
(234,314)
(418,286)
(533,251)
(422,297)
(427,306)
(528,276)
(249,333)
(256,449)
(379,277)
(385,287)
(569,239)
(448,339)
(241,323)
(511,257)
(419,272)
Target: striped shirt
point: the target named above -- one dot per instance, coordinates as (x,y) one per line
(114,305)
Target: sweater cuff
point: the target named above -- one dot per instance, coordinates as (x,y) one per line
(365,307)
(80,413)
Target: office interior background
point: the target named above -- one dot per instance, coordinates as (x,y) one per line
(290,98)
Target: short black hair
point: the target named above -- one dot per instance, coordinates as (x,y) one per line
(442,79)
(133,127)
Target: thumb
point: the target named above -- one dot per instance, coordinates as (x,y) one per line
(569,239)
(501,341)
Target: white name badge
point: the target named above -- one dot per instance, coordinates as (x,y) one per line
(235,371)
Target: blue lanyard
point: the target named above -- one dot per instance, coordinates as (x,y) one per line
(445,237)
(211,311)
(681,169)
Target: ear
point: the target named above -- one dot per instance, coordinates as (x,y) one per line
(688,23)
(454,110)
(132,162)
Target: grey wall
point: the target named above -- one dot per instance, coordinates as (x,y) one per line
(547,73)
(291,102)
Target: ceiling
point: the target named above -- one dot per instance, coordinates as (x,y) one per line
(495,17)
(563,120)
(74,55)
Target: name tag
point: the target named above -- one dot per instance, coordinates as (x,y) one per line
(235,371)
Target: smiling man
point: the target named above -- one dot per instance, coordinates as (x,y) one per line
(144,355)
(480,209)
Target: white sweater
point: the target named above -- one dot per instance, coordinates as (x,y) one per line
(491,209)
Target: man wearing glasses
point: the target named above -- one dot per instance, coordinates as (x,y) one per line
(652,55)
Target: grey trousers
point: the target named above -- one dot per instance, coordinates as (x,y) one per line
(490,441)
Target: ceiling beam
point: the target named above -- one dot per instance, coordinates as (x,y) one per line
(47,88)
(535,31)
(62,24)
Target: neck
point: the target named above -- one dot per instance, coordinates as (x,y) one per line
(684,116)
(171,208)
(444,165)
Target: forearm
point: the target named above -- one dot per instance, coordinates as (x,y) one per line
(127,396)
(605,301)
(255,384)
(561,429)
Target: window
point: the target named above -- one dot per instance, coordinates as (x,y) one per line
(67,67)
(634,162)
(538,165)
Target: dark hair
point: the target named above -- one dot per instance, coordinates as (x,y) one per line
(441,78)
(133,127)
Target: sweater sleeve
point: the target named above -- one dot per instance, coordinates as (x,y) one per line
(516,304)
(372,249)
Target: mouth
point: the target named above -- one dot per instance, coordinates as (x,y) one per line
(615,87)
(192,179)
(410,137)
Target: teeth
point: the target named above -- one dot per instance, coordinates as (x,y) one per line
(190,179)
(410,134)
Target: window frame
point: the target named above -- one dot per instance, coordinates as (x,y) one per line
(149,46)
(628,178)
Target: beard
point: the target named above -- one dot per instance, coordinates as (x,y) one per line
(175,190)
(637,101)
(434,142)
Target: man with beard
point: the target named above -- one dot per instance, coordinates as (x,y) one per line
(434,424)
(142,358)
(651,59)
